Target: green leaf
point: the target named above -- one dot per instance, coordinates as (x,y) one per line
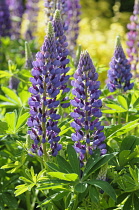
(3,127)
(21,120)
(52,187)
(73,159)
(129,126)
(12,95)
(5,74)
(52,166)
(136,103)
(95,164)
(23,93)
(109,111)
(3,98)
(122,102)
(47,200)
(63,176)
(134,173)
(128,204)
(123,157)
(105,186)
(111,129)
(94,195)
(9,200)
(64,166)
(7,105)
(41,175)
(80,187)
(65,131)
(136,202)
(129,143)
(116,107)
(122,197)
(11,118)
(25,179)
(60,196)
(21,189)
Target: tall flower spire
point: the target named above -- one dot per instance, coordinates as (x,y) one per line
(70,13)
(46,86)
(62,53)
(72,21)
(16,12)
(133,39)
(119,73)
(5,23)
(88,134)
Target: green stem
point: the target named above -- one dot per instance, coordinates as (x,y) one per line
(34,199)
(119,118)
(114,119)
(44,125)
(75,203)
(86,117)
(127,117)
(28,200)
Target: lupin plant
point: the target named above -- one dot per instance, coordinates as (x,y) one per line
(5,23)
(62,53)
(46,85)
(133,39)
(119,74)
(73,19)
(88,134)
(16,12)
(70,13)
(49,8)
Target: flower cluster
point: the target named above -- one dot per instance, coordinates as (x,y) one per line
(30,16)
(16,12)
(50,6)
(62,53)
(47,82)
(5,23)
(133,38)
(88,134)
(70,12)
(73,19)
(119,73)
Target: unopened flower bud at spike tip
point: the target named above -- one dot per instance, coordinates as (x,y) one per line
(50,29)
(28,56)
(118,41)
(57,15)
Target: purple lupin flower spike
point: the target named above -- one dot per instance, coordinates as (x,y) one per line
(72,21)
(119,74)
(70,13)
(133,39)
(16,12)
(32,10)
(5,23)
(50,7)
(88,134)
(45,87)
(62,53)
